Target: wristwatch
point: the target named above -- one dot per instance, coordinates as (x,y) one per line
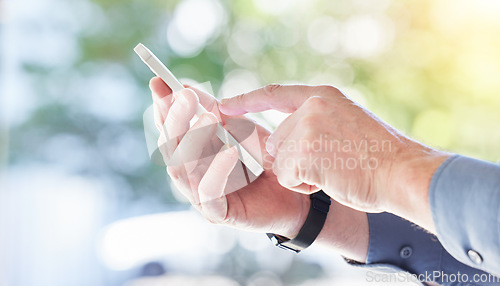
(320,205)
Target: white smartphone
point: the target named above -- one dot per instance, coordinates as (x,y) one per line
(158,68)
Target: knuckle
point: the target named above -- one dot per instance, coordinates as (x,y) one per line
(326,90)
(190,95)
(175,113)
(303,152)
(270,89)
(316,103)
(309,135)
(210,220)
(228,220)
(213,219)
(309,176)
(240,99)
(174,173)
(208,118)
(308,122)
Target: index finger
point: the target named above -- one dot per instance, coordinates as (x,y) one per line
(284,98)
(159,87)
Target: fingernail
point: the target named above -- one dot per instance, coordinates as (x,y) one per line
(224,101)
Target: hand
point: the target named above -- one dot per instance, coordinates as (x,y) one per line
(331,143)
(263,206)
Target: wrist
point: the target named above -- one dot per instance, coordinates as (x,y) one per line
(410,187)
(297,218)
(346,232)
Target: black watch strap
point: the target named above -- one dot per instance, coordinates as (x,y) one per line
(320,205)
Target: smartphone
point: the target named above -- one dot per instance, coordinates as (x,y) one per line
(159,69)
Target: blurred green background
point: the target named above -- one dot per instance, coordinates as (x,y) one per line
(72,150)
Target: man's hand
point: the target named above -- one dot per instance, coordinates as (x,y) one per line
(264,205)
(331,143)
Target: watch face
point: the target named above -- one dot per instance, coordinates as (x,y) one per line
(289,248)
(274,240)
(278,241)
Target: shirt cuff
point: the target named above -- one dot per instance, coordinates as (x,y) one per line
(398,242)
(464,196)
(397,246)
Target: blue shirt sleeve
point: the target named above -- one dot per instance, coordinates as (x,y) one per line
(465,202)
(397,246)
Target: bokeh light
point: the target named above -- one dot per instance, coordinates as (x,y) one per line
(194,23)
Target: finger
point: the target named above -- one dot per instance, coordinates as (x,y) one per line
(187,157)
(284,98)
(305,189)
(302,119)
(289,178)
(159,117)
(206,100)
(178,176)
(159,88)
(163,106)
(179,116)
(162,100)
(285,167)
(295,167)
(210,103)
(283,130)
(211,189)
(163,147)
(196,139)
